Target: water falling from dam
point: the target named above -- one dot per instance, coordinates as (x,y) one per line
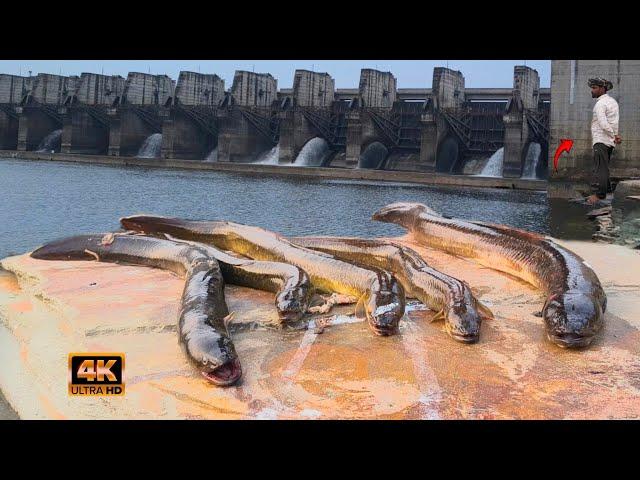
(313,154)
(151,146)
(270,157)
(51,142)
(531,161)
(493,167)
(213,156)
(373,156)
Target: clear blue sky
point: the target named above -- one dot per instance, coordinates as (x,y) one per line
(409,73)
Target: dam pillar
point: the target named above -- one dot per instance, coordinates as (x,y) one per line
(244,120)
(38,112)
(290,124)
(128,131)
(448,97)
(114,134)
(354,138)
(83,133)
(12,89)
(86,123)
(526,88)
(516,134)
(34,125)
(313,94)
(428,139)
(190,131)
(376,94)
(188,136)
(8,128)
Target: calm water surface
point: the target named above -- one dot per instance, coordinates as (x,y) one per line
(42,201)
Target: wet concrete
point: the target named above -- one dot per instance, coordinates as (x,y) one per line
(49,309)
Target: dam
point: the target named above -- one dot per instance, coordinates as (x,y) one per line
(448,129)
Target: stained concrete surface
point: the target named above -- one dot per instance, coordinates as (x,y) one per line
(48,309)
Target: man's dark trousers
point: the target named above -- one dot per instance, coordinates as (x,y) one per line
(601,159)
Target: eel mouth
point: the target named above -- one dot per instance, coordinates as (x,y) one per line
(383,331)
(290,316)
(225,375)
(465,337)
(570,340)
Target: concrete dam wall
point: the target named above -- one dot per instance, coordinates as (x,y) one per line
(507,132)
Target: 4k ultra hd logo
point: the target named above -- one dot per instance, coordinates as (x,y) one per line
(96,374)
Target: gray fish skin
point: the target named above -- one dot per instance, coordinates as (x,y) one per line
(291,284)
(574,309)
(201,326)
(384,297)
(438,291)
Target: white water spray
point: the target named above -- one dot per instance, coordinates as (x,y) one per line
(151,147)
(493,167)
(269,157)
(531,161)
(213,156)
(50,142)
(314,152)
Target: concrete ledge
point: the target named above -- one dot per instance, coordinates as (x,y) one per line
(315,172)
(48,309)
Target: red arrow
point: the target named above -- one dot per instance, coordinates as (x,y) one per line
(565,146)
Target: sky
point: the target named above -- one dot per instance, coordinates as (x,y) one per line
(346,73)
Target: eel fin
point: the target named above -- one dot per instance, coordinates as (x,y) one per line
(227,320)
(361,311)
(485,312)
(438,316)
(93,254)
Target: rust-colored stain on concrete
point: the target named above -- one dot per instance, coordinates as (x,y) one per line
(52,308)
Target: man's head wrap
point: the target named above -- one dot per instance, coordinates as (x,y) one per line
(600,82)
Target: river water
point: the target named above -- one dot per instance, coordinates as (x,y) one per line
(43,200)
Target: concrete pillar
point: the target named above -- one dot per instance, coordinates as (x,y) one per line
(377,89)
(428,142)
(114,136)
(516,134)
(526,94)
(526,82)
(238,140)
(13,88)
(131,131)
(199,89)
(354,138)
(54,89)
(252,89)
(183,138)
(67,132)
(313,89)
(288,145)
(8,131)
(81,133)
(571,114)
(447,90)
(168,139)
(33,126)
(95,89)
(147,89)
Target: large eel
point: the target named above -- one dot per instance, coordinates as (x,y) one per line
(202,325)
(574,309)
(378,291)
(450,297)
(291,284)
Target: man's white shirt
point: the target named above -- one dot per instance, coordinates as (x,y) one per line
(606,117)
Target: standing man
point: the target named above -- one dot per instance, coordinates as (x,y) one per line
(604,132)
